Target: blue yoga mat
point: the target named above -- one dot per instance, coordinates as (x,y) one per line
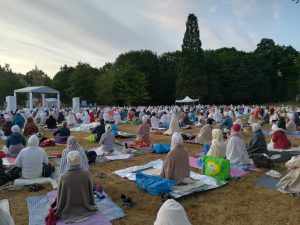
(267,182)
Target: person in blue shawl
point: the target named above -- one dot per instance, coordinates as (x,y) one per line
(19,120)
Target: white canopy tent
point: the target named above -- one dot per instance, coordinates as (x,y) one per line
(187,99)
(40,90)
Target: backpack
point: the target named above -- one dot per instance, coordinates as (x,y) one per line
(161,148)
(91,155)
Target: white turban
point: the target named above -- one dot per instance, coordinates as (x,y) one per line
(176,139)
(33,141)
(108,128)
(73,158)
(15,128)
(171,212)
(256,127)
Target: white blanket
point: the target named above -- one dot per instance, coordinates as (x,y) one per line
(294,149)
(24,182)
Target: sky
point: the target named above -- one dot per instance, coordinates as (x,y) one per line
(52,33)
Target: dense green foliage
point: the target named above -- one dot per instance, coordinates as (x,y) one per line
(270,73)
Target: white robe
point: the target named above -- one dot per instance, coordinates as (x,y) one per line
(236,151)
(71,119)
(154,122)
(174,125)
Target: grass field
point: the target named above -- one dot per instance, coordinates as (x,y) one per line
(239,202)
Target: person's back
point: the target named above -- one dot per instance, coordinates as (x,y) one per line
(107,141)
(75,198)
(30,127)
(227,123)
(99,130)
(19,120)
(291,127)
(51,122)
(280,140)
(7,128)
(143,132)
(257,141)
(31,159)
(15,142)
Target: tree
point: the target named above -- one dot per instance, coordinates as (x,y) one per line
(82,82)
(37,77)
(130,86)
(191,77)
(61,82)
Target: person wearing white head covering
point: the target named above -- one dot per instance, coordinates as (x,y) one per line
(5,218)
(71,121)
(218,146)
(72,145)
(174,125)
(144,130)
(176,165)
(31,159)
(154,121)
(106,142)
(217,116)
(15,142)
(171,213)
(236,150)
(75,198)
(291,127)
(257,141)
(86,118)
(239,120)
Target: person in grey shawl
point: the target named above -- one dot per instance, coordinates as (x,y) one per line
(257,142)
(72,145)
(75,199)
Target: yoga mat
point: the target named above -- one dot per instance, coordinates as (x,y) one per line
(294,149)
(267,182)
(106,207)
(38,208)
(234,171)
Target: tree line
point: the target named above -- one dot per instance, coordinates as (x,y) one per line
(271,73)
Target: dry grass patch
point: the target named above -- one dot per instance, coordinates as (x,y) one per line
(237,203)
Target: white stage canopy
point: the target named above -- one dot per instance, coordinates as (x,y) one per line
(187,99)
(39,90)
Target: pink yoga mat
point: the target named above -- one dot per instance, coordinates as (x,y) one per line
(97,218)
(234,172)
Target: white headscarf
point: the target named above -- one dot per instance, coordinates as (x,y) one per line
(171,212)
(73,158)
(33,141)
(176,139)
(256,127)
(108,128)
(15,128)
(72,143)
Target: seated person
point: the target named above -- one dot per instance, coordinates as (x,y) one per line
(19,120)
(61,135)
(266,117)
(227,121)
(290,183)
(114,128)
(31,159)
(106,142)
(7,127)
(239,120)
(171,213)
(279,139)
(71,120)
(164,120)
(192,116)
(291,127)
(92,117)
(72,145)
(2,120)
(99,130)
(75,198)
(60,117)
(257,142)
(218,146)
(154,121)
(144,130)
(176,165)
(205,134)
(5,218)
(30,127)
(15,142)
(236,150)
(51,122)
(185,120)
(117,117)
(174,124)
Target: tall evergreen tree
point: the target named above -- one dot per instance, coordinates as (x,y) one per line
(191,77)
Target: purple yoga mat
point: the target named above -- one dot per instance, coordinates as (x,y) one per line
(234,172)
(97,218)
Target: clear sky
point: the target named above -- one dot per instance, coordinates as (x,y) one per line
(51,33)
